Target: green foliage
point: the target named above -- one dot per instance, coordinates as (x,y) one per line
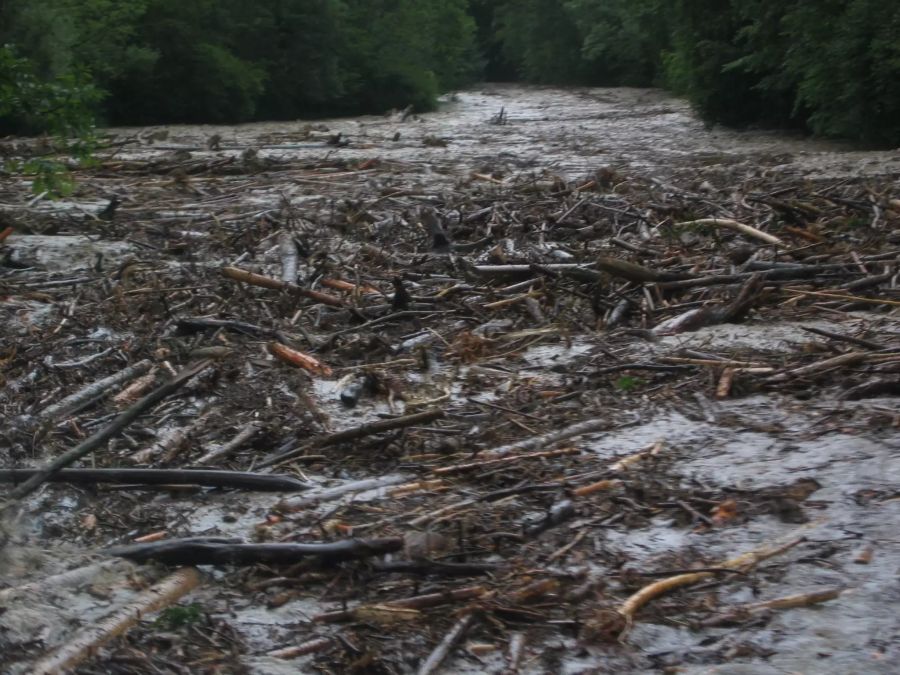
(845,59)
(541,39)
(61,107)
(623,39)
(628,383)
(832,67)
(179,616)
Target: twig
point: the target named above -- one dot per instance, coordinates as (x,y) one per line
(226,449)
(309,647)
(844,296)
(742,612)
(445,646)
(537,442)
(353,433)
(262,281)
(844,338)
(490,461)
(736,226)
(819,367)
(296,504)
(744,562)
(415,602)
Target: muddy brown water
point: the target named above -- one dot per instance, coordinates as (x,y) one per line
(745,444)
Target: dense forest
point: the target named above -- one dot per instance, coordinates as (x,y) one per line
(830,67)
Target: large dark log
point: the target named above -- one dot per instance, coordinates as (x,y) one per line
(206,551)
(208,478)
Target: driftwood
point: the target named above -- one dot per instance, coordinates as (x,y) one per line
(297,504)
(736,227)
(623,617)
(445,646)
(416,602)
(213,551)
(637,273)
(92,391)
(108,432)
(710,316)
(361,431)
(230,447)
(745,612)
(208,478)
(262,281)
(84,644)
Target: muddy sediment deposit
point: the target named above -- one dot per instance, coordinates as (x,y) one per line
(547,381)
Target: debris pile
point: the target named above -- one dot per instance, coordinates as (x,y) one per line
(425,360)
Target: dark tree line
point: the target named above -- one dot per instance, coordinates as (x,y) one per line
(831,67)
(233,60)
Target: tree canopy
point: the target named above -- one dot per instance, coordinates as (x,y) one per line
(829,67)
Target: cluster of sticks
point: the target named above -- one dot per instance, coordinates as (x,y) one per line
(229,307)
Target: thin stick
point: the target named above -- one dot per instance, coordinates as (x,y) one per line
(742,612)
(537,442)
(415,602)
(819,367)
(226,449)
(353,433)
(204,551)
(843,296)
(309,647)
(263,281)
(844,338)
(457,468)
(445,646)
(743,562)
(736,226)
(288,505)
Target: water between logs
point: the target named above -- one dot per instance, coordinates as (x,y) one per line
(730,444)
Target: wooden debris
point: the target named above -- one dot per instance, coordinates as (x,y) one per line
(200,551)
(445,646)
(209,478)
(299,359)
(84,644)
(624,615)
(262,281)
(733,225)
(121,422)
